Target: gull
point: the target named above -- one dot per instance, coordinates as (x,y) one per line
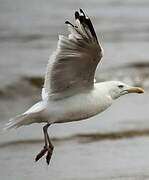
(70,92)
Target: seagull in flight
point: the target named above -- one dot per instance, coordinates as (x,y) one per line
(70,92)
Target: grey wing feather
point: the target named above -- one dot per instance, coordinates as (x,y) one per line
(72,66)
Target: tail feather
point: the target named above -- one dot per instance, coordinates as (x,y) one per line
(32,115)
(15,122)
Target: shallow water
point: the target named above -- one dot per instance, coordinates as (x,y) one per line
(113,145)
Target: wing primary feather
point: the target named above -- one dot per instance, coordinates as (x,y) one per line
(91,28)
(74,29)
(77,15)
(80,21)
(86,20)
(67,22)
(81,11)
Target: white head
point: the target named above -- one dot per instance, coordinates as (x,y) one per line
(117,89)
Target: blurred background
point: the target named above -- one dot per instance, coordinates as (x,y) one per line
(112,145)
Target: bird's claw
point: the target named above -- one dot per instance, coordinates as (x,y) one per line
(49,151)
(49,154)
(42,153)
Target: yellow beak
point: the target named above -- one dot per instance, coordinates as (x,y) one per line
(135,90)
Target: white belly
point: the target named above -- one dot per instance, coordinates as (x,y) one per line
(78,107)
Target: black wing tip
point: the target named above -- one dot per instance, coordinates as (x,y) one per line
(86,20)
(81,11)
(67,22)
(80,16)
(83,20)
(77,15)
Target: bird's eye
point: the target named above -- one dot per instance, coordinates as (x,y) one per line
(120,86)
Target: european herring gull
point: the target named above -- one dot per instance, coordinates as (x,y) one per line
(69,92)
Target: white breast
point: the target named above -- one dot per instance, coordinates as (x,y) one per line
(79,106)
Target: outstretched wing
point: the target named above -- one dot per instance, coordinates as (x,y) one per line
(72,66)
